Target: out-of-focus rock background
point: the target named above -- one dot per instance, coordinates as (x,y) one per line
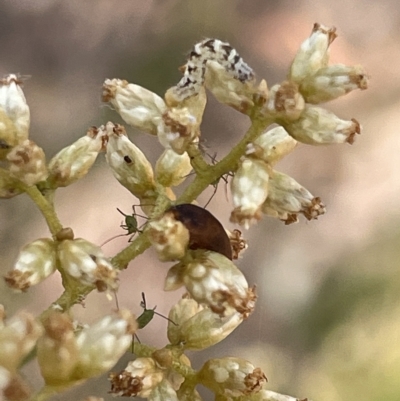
(327,321)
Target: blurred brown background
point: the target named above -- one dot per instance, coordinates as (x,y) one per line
(327,321)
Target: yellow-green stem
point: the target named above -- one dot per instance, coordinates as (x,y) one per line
(46,209)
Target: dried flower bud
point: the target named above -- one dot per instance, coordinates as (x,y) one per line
(232,377)
(28,163)
(172,169)
(212,279)
(227,89)
(288,198)
(164,391)
(198,327)
(249,189)
(13,387)
(333,81)
(271,146)
(58,350)
(169,237)
(36,261)
(137,106)
(8,185)
(194,70)
(128,163)
(18,336)
(86,262)
(313,53)
(13,103)
(285,102)
(317,126)
(139,378)
(179,129)
(74,161)
(238,243)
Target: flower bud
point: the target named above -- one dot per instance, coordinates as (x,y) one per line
(285,102)
(333,81)
(74,161)
(102,344)
(313,53)
(8,185)
(138,379)
(18,336)
(137,106)
(128,163)
(28,163)
(8,134)
(169,237)
(213,280)
(172,169)
(232,377)
(164,391)
(288,198)
(266,395)
(249,189)
(317,126)
(227,89)
(203,328)
(13,387)
(179,129)
(86,262)
(36,261)
(271,146)
(13,103)
(58,350)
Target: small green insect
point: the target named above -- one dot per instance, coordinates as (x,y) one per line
(130,225)
(147,315)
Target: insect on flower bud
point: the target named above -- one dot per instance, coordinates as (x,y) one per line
(13,103)
(74,161)
(138,379)
(172,169)
(206,232)
(137,106)
(249,189)
(212,279)
(36,261)
(86,262)
(198,327)
(232,377)
(271,146)
(313,53)
(287,198)
(317,126)
(227,89)
(128,163)
(284,101)
(28,163)
(333,81)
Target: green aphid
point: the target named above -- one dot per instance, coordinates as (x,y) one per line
(147,316)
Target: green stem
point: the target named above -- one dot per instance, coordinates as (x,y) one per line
(46,208)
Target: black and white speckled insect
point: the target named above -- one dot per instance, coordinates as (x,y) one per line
(194,69)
